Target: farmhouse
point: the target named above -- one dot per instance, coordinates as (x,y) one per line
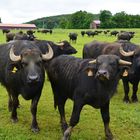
(17,26)
(95,24)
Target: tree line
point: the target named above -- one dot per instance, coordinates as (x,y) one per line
(118,20)
(82,20)
(77,20)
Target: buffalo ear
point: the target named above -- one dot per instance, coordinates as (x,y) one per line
(61,47)
(125,73)
(89,72)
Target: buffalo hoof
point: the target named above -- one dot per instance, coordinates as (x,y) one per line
(109,136)
(15,120)
(67,134)
(134,100)
(66,138)
(126,100)
(35,129)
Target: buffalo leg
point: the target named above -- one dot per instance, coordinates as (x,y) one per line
(106,120)
(10,100)
(10,103)
(34,125)
(74,119)
(61,108)
(134,95)
(14,109)
(126,91)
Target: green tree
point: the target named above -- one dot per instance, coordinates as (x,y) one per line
(106,19)
(121,20)
(80,20)
(63,23)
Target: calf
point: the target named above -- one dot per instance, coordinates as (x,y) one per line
(88,81)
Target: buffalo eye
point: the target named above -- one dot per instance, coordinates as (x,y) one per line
(24,64)
(38,62)
(112,63)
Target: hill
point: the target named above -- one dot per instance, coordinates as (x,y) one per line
(55,21)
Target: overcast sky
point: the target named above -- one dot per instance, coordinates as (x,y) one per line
(19,11)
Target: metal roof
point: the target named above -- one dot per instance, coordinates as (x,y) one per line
(97,21)
(18,25)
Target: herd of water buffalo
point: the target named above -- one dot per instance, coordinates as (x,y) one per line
(90,80)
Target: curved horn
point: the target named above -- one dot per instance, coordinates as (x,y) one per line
(131,53)
(60,44)
(123,62)
(49,54)
(92,61)
(14,57)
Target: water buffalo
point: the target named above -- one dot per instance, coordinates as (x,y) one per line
(91,33)
(129,52)
(73,37)
(60,48)
(114,33)
(30,32)
(83,33)
(9,36)
(24,36)
(85,81)
(45,31)
(5,31)
(125,36)
(22,72)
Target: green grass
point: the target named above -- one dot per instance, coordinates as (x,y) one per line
(125,118)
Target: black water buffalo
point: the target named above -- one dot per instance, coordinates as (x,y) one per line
(5,31)
(73,37)
(106,31)
(95,48)
(30,32)
(83,33)
(85,81)
(45,31)
(9,36)
(125,36)
(24,36)
(91,33)
(114,33)
(60,48)
(22,72)
(132,51)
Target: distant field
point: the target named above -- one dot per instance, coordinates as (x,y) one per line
(125,118)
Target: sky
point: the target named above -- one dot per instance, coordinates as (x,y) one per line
(21,11)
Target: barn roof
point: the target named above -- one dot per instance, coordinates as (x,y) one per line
(18,25)
(97,21)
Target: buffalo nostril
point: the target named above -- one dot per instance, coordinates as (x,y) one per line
(102,72)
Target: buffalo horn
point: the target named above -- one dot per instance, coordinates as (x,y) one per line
(14,57)
(49,54)
(60,44)
(131,53)
(92,61)
(123,62)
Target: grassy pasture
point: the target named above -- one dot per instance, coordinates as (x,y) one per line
(125,118)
